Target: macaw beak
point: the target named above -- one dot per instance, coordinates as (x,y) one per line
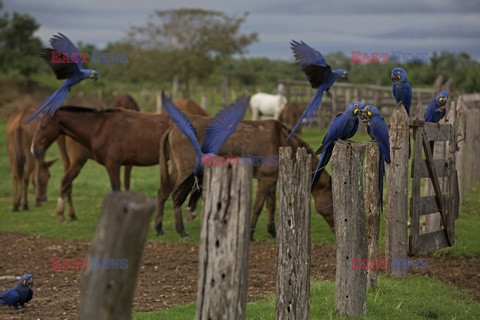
(28,283)
(355,111)
(442,100)
(395,77)
(344,76)
(93,76)
(365,115)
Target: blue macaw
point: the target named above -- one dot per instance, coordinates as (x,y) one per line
(72,71)
(402,88)
(343,127)
(319,74)
(377,129)
(437,107)
(219,129)
(19,295)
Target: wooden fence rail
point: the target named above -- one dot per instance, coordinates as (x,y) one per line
(224,243)
(293,236)
(107,291)
(350,235)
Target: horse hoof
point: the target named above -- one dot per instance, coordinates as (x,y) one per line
(25,207)
(15,209)
(159,230)
(73,217)
(61,219)
(183,234)
(272,231)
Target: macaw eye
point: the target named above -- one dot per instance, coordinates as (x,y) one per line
(344,72)
(398,72)
(355,105)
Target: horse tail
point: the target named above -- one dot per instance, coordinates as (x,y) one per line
(62,146)
(20,158)
(163,162)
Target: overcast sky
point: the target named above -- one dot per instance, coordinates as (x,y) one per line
(328,26)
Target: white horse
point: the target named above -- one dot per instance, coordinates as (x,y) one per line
(269,105)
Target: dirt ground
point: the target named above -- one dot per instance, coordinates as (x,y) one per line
(168,274)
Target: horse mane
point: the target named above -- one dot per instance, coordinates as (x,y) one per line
(88,109)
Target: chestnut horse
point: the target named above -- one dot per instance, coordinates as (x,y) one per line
(290,115)
(75,155)
(189,106)
(257,138)
(22,163)
(115,137)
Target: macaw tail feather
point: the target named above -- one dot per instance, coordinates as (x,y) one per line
(51,104)
(322,163)
(181,193)
(311,110)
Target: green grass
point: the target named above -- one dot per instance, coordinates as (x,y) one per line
(411,298)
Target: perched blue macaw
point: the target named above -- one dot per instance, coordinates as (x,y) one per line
(19,295)
(343,127)
(402,88)
(72,71)
(437,107)
(219,129)
(319,74)
(377,129)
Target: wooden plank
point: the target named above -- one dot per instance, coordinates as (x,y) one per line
(428,204)
(440,166)
(107,289)
(415,199)
(396,232)
(435,182)
(437,131)
(349,213)
(293,236)
(224,242)
(373,207)
(432,241)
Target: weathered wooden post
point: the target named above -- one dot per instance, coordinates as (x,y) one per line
(114,258)
(459,157)
(351,241)
(158,102)
(293,236)
(224,242)
(470,128)
(396,231)
(372,207)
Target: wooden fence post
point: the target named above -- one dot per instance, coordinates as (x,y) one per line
(224,242)
(460,115)
(372,207)
(351,242)
(396,231)
(471,128)
(293,236)
(108,285)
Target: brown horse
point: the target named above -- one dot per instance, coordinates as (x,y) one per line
(290,115)
(75,155)
(190,106)
(256,138)
(22,163)
(115,137)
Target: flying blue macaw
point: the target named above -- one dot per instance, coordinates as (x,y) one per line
(19,295)
(319,74)
(437,107)
(377,129)
(219,129)
(343,127)
(402,88)
(72,71)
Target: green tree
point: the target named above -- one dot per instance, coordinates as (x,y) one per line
(190,42)
(18,47)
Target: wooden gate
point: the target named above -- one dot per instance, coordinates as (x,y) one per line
(445,200)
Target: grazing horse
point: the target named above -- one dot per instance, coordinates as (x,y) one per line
(256,138)
(264,104)
(115,137)
(22,163)
(75,155)
(189,106)
(290,115)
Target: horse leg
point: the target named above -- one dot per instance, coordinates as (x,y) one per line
(113,170)
(25,192)
(270,202)
(126,178)
(179,222)
(17,193)
(162,195)
(258,204)
(66,189)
